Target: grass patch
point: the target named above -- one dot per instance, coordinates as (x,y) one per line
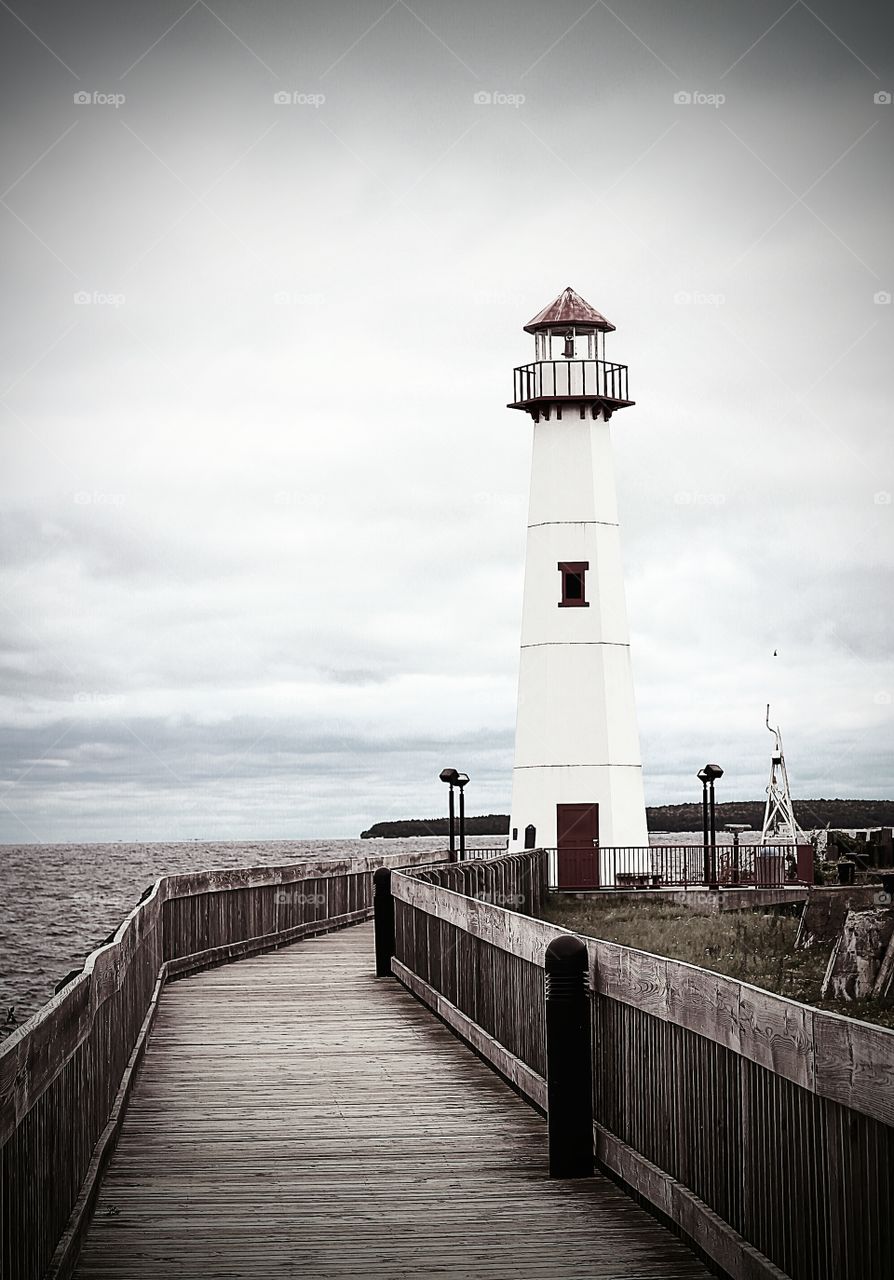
(753,946)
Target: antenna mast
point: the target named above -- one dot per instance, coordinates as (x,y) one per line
(779,814)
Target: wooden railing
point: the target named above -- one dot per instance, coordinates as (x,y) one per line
(761,1127)
(514,880)
(66,1074)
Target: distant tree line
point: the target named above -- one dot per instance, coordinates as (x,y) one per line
(492,824)
(672,817)
(809,814)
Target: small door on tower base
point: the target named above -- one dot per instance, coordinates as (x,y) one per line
(577,842)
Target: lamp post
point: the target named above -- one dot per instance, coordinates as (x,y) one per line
(450,776)
(736,828)
(706,863)
(460,781)
(707,777)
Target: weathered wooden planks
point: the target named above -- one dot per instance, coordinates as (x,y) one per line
(848,1061)
(61,1073)
(760,1125)
(295,1116)
(740,1260)
(529,1084)
(720,1098)
(730,1104)
(59,1076)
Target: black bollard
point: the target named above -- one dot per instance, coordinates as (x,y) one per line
(383,916)
(568,1060)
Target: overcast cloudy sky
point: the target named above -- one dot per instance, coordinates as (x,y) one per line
(263,506)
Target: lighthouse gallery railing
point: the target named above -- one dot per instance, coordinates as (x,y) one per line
(548,379)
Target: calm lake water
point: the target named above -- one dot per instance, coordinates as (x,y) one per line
(59,901)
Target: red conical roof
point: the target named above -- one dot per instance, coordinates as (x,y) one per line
(568,309)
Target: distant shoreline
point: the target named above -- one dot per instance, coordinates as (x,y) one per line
(837,814)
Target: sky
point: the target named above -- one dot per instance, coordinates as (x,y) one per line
(262,505)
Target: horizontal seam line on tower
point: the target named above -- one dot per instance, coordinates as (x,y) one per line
(543,524)
(604,765)
(543,644)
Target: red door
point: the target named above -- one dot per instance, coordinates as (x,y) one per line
(577,837)
(805,863)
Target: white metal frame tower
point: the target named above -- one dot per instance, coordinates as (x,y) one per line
(578,772)
(779,813)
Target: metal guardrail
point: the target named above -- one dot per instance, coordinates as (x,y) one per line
(551,379)
(674,866)
(492,851)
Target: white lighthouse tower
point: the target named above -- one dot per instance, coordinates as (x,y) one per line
(577,782)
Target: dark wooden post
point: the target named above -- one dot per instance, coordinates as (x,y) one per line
(568,1060)
(383,916)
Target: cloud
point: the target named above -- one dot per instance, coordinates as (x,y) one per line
(262,509)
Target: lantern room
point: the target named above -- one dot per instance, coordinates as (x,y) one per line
(570,370)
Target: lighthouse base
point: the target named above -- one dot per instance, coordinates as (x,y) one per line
(579,808)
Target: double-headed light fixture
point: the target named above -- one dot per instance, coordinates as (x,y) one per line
(707,777)
(455,779)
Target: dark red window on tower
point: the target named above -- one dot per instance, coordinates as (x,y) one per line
(574,584)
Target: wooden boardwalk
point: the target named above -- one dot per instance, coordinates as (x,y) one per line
(294,1116)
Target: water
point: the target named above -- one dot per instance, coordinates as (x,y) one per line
(59,901)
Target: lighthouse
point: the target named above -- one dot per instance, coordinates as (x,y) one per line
(577,783)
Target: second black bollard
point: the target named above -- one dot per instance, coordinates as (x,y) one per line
(569,1072)
(383,917)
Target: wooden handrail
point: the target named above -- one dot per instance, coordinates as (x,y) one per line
(849,1061)
(762,1127)
(50,1123)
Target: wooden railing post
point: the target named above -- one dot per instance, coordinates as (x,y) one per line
(568,1060)
(383,916)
